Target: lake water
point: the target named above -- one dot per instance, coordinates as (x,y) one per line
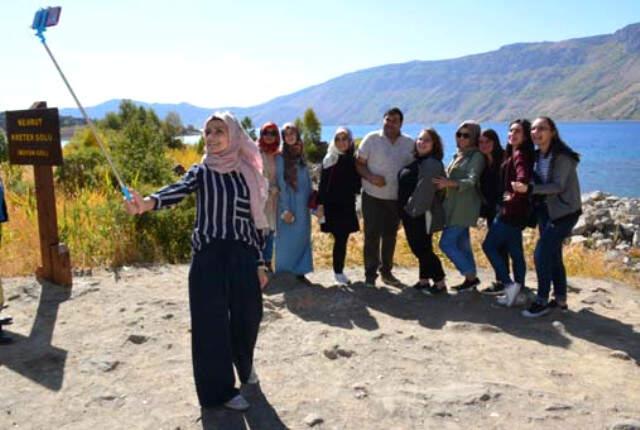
(610,150)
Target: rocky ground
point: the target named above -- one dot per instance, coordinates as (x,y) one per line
(113,353)
(612,224)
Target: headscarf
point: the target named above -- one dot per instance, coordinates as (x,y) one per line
(273,147)
(333,154)
(241,155)
(293,155)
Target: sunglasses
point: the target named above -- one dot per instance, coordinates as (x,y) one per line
(461,135)
(270,133)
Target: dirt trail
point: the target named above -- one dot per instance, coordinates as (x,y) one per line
(114,353)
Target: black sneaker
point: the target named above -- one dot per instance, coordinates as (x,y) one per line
(432,290)
(419,287)
(553,304)
(303,279)
(389,279)
(536,310)
(467,285)
(370,280)
(496,289)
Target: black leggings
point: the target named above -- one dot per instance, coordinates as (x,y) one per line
(422,248)
(339,251)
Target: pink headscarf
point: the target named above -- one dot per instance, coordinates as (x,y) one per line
(241,155)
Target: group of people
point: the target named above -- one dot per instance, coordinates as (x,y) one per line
(254,201)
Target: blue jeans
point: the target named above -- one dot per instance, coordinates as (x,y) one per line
(267,251)
(456,245)
(548,255)
(503,236)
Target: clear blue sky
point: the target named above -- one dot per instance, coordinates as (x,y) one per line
(241,53)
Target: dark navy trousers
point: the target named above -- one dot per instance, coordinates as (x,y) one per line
(226,308)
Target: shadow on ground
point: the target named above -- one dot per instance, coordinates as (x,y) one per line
(350,307)
(33,356)
(261,415)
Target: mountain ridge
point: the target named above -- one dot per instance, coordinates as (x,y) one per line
(590,78)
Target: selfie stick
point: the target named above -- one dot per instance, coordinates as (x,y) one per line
(49,17)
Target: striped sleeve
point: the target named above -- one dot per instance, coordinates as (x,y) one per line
(174,193)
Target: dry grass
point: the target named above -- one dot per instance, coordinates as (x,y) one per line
(186,156)
(579,261)
(99,233)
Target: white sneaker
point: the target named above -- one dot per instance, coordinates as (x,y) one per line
(341,279)
(511,293)
(238,403)
(253,377)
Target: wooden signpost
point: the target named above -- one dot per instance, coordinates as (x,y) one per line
(34,139)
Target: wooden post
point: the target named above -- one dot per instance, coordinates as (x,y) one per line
(56,260)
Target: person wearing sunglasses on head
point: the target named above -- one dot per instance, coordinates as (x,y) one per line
(462,203)
(269,144)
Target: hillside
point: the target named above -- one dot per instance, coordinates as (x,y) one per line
(588,78)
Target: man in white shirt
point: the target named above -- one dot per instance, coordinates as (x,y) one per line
(381,155)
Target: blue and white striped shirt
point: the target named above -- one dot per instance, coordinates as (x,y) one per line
(223,208)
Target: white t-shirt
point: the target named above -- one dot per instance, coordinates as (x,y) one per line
(385,159)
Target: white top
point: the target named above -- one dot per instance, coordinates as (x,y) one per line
(385,159)
(542,167)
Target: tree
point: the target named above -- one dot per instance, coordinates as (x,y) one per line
(4,148)
(311,131)
(248,126)
(312,127)
(172,129)
(137,141)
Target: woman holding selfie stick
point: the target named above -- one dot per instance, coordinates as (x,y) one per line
(227,271)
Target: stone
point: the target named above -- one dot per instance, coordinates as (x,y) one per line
(558,407)
(604,243)
(335,352)
(621,355)
(313,419)
(581,227)
(138,339)
(596,196)
(579,240)
(106,365)
(612,255)
(626,425)
(635,242)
